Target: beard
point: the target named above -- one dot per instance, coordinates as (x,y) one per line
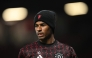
(45,39)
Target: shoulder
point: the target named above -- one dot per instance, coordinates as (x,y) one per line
(64,45)
(28,46)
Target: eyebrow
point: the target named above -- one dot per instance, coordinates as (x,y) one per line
(41,23)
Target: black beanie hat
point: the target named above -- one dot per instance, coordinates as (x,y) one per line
(47,16)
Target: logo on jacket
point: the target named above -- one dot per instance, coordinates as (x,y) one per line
(58,55)
(39,54)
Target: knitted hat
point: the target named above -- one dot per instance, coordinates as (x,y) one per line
(47,16)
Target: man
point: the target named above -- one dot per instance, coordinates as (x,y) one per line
(47,46)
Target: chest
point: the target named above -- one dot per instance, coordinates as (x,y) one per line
(47,52)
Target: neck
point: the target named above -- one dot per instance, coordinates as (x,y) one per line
(49,40)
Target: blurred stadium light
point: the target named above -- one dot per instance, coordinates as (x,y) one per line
(14,14)
(76,8)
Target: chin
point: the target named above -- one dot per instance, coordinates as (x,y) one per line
(41,38)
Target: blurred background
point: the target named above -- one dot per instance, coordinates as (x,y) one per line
(73,24)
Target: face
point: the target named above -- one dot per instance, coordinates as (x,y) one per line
(42,30)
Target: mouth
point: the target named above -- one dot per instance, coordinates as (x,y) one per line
(40,34)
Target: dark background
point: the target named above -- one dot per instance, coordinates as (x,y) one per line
(72,30)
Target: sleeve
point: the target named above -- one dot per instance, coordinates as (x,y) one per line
(73,54)
(21,54)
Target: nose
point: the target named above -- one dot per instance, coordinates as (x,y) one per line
(39,29)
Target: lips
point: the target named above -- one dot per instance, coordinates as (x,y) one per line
(40,34)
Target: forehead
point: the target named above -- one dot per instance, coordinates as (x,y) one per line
(40,22)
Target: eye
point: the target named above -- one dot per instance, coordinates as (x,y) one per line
(36,25)
(43,24)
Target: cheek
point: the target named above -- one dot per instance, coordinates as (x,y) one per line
(46,31)
(35,30)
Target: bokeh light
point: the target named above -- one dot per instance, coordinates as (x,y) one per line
(15,14)
(76,8)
